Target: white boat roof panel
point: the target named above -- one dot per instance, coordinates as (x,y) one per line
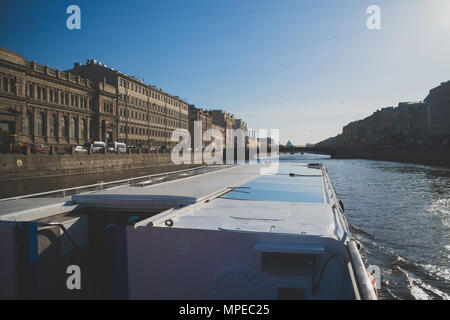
(183,191)
(290,202)
(284,218)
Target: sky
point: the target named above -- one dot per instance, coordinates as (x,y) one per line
(305,67)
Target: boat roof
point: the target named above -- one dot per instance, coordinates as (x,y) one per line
(297,200)
(29,209)
(183,191)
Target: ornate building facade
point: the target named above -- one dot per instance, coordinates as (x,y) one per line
(91,102)
(145,115)
(44,105)
(196,114)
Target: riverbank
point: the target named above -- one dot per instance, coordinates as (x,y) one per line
(14,166)
(434,157)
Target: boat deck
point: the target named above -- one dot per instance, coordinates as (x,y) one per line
(293,201)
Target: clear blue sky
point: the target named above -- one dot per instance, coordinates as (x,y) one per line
(305,67)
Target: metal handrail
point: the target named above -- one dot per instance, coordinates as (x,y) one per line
(365,288)
(101,185)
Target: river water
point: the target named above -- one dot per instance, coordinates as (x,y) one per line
(401,215)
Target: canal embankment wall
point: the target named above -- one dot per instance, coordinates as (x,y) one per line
(19,165)
(435,157)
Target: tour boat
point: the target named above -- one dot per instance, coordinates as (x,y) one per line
(232,232)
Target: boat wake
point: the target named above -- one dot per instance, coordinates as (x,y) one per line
(404,279)
(420,290)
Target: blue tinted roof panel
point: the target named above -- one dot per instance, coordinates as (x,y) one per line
(281,187)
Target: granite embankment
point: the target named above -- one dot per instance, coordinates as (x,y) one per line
(31,165)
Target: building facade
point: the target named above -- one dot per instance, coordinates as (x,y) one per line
(223,119)
(240,124)
(407,125)
(145,115)
(92,102)
(40,104)
(412,124)
(439,101)
(196,114)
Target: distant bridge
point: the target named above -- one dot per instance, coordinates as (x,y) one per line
(314,150)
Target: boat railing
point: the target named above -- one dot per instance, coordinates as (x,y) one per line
(156,178)
(365,287)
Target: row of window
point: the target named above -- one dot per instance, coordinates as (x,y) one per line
(54,125)
(144,131)
(52,95)
(132,86)
(8,84)
(145,117)
(142,103)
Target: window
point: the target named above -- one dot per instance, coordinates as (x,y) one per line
(30,90)
(12,86)
(41,124)
(54,126)
(28,124)
(5,84)
(64,127)
(83,129)
(74,127)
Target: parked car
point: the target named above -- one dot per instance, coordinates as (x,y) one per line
(40,148)
(117,147)
(80,149)
(99,146)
